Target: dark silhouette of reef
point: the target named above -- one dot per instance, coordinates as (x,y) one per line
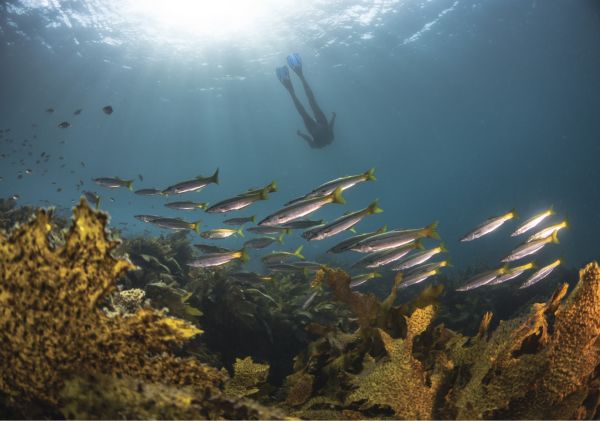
(94,327)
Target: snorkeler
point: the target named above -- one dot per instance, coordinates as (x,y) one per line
(320,131)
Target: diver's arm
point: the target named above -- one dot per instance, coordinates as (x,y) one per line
(332,122)
(306,137)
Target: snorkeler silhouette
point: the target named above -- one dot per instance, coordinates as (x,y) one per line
(320,130)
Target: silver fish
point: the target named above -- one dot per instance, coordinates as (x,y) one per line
(341,224)
(285,268)
(261,242)
(250,277)
(512,273)
(186,205)
(148,192)
(220,233)
(358,280)
(270,188)
(207,248)
(92,197)
(195,184)
(548,231)
(303,208)
(238,202)
(483,279)
(428,267)
(532,222)
(343,183)
(349,242)
(387,256)
(113,182)
(268,230)
(218,259)
(489,225)
(176,224)
(540,274)
(418,258)
(282,256)
(393,239)
(308,264)
(310,299)
(527,249)
(239,220)
(417,278)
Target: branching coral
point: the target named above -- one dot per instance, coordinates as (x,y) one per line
(51,326)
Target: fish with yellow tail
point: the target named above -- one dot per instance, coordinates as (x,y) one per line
(175,224)
(220,233)
(483,278)
(358,280)
(512,273)
(548,231)
(489,225)
(527,249)
(393,239)
(239,202)
(419,258)
(218,259)
(282,256)
(532,222)
(417,278)
(302,208)
(541,274)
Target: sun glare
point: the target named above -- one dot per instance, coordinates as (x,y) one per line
(209,18)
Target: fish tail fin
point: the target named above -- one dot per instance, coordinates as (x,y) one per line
(419,244)
(253,219)
(196,226)
(376,274)
(264,193)
(280,238)
(244,256)
(337,196)
(513,214)
(298,251)
(551,210)
(555,238)
(352,230)
(566,223)
(503,269)
(272,187)
(202,205)
(443,248)
(532,265)
(448,263)
(431,231)
(129,184)
(215,177)
(382,229)
(374,208)
(98,202)
(240,232)
(370,175)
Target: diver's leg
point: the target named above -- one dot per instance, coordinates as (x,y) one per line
(319,115)
(308,120)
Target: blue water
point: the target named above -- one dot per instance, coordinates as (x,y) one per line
(466,108)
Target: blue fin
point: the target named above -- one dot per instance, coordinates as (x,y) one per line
(295,62)
(282,74)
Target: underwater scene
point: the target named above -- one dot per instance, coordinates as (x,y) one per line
(318,209)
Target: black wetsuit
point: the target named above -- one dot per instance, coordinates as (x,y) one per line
(320,130)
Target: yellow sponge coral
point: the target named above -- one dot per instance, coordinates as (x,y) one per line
(52,328)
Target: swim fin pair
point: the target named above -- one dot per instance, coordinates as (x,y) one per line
(283,74)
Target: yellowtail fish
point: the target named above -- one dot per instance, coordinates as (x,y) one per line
(393,239)
(207,248)
(113,182)
(489,225)
(512,273)
(240,220)
(540,274)
(417,278)
(303,224)
(250,277)
(527,249)
(282,256)
(483,278)
(418,258)
(269,230)
(176,224)
(387,256)
(262,242)
(219,233)
(303,208)
(92,197)
(342,183)
(238,202)
(148,192)
(358,280)
(218,259)
(186,205)
(285,268)
(196,184)
(349,242)
(270,188)
(532,222)
(547,232)
(309,265)
(429,267)
(341,224)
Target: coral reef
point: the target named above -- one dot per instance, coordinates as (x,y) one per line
(248,378)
